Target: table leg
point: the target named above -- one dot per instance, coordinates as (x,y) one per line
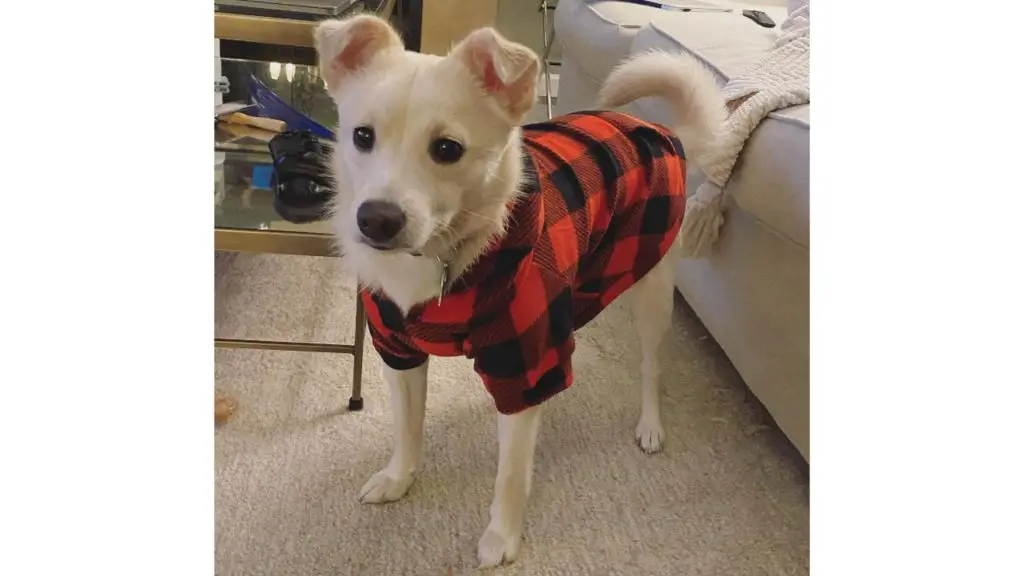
(549,39)
(355,403)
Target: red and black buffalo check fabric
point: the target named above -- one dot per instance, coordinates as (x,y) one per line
(604,206)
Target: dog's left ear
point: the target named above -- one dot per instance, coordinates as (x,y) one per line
(347,45)
(504,69)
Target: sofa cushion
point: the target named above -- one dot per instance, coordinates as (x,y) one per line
(770,180)
(726,42)
(598,34)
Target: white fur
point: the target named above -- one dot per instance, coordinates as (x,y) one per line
(682,81)
(408,391)
(478,95)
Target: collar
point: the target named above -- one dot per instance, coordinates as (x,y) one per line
(445,266)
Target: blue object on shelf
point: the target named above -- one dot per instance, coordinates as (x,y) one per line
(270,105)
(261,176)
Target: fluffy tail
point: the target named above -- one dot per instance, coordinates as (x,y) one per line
(698,114)
(682,81)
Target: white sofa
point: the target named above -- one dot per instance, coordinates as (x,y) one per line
(752,293)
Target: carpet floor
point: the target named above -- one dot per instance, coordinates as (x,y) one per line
(728,496)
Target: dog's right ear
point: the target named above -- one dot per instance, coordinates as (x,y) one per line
(347,45)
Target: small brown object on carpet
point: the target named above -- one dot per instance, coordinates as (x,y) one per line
(223,408)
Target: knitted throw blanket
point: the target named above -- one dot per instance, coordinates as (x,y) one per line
(779,80)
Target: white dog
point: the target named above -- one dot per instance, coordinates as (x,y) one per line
(472,235)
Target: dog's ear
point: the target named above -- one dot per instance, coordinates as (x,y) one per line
(347,45)
(504,69)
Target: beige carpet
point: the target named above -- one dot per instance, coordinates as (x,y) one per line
(728,496)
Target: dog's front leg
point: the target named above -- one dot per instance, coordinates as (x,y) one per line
(517,439)
(408,401)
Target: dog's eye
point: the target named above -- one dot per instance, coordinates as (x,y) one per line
(446,151)
(363,138)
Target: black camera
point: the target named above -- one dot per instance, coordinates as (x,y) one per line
(301,182)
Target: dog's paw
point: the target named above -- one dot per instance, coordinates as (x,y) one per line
(382,488)
(495,549)
(649,436)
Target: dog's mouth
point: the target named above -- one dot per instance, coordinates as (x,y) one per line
(389,247)
(379,246)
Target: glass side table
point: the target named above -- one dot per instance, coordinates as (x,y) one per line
(244,216)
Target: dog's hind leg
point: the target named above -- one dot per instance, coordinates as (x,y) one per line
(408,403)
(517,440)
(651,301)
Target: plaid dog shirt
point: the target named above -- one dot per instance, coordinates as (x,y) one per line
(605,205)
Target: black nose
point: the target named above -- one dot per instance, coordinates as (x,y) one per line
(380,221)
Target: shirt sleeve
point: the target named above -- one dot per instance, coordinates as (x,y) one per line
(395,348)
(395,352)
(523,368)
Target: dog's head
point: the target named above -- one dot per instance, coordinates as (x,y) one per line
(423,142)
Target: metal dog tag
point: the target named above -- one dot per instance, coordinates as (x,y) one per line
(444,279)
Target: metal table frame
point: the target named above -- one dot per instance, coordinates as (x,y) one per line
(548,30)
(279,31)
(296,244)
